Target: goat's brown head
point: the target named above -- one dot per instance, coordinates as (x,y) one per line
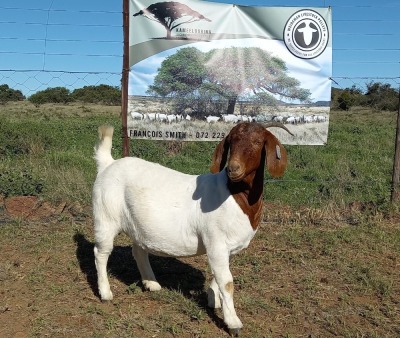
(248,145)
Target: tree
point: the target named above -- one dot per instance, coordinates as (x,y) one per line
(238,70)
(168,13)
(180,74)
(8,94)
(104,94)
(181,77)
(226,74)
(344,99)
(51,95)
(382,96)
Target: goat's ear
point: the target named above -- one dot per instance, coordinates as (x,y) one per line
(276,158)
(220,156)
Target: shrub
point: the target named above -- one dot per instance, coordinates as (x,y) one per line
(8,94)
(19,183)
(345,101)
(98,94)
(51,95)
(382,96)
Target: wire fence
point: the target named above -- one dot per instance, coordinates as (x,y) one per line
(31,81)
(68,46)
(57,47)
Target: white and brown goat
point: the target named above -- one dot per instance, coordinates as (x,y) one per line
(169,213)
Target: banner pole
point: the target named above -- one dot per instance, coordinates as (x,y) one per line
(124,80)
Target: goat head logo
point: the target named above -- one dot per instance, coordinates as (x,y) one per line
(171,15)
(306,34)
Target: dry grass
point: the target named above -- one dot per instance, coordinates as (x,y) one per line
(21,110)
(322,279)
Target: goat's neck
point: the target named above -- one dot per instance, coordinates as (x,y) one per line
(248,194)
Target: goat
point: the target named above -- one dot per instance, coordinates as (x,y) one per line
(308,119)
(278,118)
(136,116)
(291,119)
(169,213)
(230,118)
(319,118)
(151,116)
(211,119)
(171,118)
(245,118)
(161,117)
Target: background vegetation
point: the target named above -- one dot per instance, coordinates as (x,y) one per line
(47,151)
(377,96)
(101,94)
(323,264)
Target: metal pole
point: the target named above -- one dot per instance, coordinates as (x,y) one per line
(396,163)
(124,80)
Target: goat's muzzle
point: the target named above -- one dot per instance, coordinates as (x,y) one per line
(234,171)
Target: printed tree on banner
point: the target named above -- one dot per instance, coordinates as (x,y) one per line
(227,73)
(167,14)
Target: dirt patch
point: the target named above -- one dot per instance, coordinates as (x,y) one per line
(31,208)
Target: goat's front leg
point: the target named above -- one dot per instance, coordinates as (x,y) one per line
(142,260)
(219,263)
(214,296)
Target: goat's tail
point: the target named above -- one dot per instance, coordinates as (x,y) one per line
(102,150)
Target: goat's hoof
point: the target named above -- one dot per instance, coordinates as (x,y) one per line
(151,285)
(234,332)
(106,296)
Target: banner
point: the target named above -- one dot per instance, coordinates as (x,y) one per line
(197,68)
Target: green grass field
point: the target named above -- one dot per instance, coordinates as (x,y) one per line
(50,149)
(325,262)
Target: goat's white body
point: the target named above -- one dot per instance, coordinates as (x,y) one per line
(166,212)
(212,119)
(230,118)
(136,115)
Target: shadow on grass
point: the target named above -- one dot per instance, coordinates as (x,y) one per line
(171,273)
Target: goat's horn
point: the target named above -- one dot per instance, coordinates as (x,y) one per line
(278,125)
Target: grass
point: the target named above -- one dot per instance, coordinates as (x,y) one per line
(48,151)
(316,267)
(293,281)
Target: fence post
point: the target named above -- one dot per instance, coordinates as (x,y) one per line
(396,163)
(124,80)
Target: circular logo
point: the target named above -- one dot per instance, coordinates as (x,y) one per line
(306,34)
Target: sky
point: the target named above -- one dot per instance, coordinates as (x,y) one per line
(47,43)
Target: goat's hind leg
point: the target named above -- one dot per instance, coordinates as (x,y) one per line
(142,260)
(102,251)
